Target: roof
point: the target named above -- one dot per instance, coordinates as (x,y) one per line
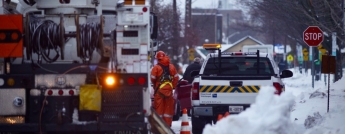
(226,47)
(240,40)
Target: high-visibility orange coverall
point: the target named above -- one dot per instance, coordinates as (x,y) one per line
(163,99)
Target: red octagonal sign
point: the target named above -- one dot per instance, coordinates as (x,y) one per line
(313,36)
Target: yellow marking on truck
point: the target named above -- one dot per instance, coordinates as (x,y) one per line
(241,89)
(202,89)
(215,90)
(255,89)
(223,89)
(248,89)
(209,89)
(229,89)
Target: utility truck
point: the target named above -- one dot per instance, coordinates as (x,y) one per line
(77,66)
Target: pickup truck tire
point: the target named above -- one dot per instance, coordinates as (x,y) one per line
(177,114)
(198,124)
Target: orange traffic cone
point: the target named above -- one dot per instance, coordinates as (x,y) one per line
(220,116)
(226,114)
(185,129)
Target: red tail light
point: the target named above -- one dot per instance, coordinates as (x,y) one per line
(278,88)
(130,80)
(141,80)
(195,91)
(50,92)
(60,92)
(144,9)
(71,92)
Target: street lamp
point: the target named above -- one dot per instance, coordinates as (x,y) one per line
(227,38)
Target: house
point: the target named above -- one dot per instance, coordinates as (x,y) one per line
(237,46)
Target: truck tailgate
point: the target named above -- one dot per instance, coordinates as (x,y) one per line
(231,89)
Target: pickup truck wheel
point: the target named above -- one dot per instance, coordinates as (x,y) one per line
(198,124)
(176,116)
(189,112)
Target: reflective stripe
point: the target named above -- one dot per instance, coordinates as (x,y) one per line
(163,84)
(153,77)
(229,89)
(167,115)
(176,75)
(160,115)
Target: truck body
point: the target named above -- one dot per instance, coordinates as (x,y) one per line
(77,67)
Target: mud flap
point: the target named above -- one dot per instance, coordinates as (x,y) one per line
(158,126)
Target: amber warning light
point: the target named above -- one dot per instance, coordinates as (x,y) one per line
(212,46)
(110,80)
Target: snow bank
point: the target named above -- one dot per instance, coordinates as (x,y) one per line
(332,122)
(270,114)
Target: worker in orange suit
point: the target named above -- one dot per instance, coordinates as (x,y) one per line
(164,78)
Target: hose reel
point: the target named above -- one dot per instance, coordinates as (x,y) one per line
(45,36)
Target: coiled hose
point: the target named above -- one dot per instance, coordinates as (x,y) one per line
(89,40)
(44,37)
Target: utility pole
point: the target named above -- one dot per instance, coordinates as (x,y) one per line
(153,6)
(188,26)
(285,55)
(188,21)
(176,37)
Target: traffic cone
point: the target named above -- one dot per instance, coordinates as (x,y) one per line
(185,129)
(220,116)
(226,114)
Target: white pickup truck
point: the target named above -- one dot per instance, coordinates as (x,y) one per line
(230,82)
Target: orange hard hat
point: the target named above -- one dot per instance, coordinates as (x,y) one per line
(160,55)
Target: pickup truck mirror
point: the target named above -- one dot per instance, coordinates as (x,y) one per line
(286,74)
(153,26)
(194,73)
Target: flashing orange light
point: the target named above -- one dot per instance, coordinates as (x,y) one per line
(211,46)
(110,80)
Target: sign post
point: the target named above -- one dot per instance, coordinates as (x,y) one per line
(328,67)
(313,36)
(305,59)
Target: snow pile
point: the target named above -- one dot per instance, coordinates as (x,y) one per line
(312,121)
(302,109)
(323,122)
(270,114)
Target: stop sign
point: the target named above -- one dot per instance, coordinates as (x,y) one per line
(313,36)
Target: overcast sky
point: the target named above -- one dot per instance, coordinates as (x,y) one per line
(210,4)
(196,3)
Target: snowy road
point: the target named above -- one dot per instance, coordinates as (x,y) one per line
(176,125)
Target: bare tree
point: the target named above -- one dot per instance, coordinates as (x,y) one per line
(282,19)
(168,28)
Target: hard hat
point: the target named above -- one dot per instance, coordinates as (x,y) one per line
(160,55)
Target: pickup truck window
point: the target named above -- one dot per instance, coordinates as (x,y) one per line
(239,66)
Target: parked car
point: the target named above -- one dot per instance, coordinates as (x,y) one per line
(182,95)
